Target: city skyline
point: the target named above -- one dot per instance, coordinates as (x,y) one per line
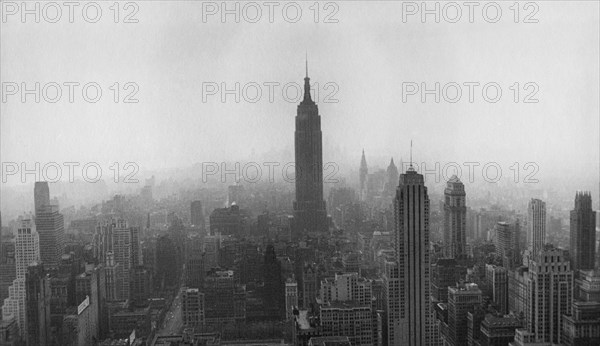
(156,190)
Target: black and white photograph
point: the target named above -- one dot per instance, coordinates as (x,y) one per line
(299,173)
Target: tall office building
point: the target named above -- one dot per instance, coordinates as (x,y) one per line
(37,302)
(497,279)
(197,214)
(363,173)
(291,297)
(455,219)
(51,229)
(462,299)
(507,244)
(123,256)
(445,272)
(411,209)
(583,233)
(536,225)
(391,289)
(550,292)
(41,195)
(136,250)
(392,179)
(27,251)
(274,288)
(310,214)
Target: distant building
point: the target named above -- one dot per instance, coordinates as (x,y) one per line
(51,229)
(141,286)
(536,225)
(291,297)
(228,221)
(41,195)
(347,318)
(274,289)
(518,299)
(225,302)
(445,272)
(363,173)
(192,307)
(197,214)
(583,233)
(455,219)
(310,285)
(346,287)
(507,244)
(497,280)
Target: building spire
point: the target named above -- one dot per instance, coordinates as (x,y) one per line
(307,84)
(410,167)
(306,60)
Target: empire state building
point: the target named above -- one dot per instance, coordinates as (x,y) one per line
(310,214)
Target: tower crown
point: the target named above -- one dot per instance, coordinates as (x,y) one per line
(307,98)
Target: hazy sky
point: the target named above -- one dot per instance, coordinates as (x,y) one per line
(368,54)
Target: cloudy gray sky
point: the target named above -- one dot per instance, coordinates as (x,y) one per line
(367,55)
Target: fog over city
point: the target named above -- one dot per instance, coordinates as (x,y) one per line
(352,173)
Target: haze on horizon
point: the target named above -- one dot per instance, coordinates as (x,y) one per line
(368,54)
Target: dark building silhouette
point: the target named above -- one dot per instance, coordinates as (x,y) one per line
(197,214)
(229,221)
(41,195)
(583,233)
(445,272)
(194,272)
(392,179)
(50,226)
(363,172)
(167,266)
(310,214)
(274,289)
(37,302)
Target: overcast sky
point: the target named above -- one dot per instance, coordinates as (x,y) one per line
(368,54)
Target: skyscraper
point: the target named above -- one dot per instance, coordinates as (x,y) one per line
(583,233)
(51,229)
(197,215)
(41,195)
(551,294)
(507,244)
(411,209)
(37,302)
(274,289)
(392,179)
(123,255)
(310,214)
(27,251)
(455,219)
(363,172)
(536,225)
(461,299)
